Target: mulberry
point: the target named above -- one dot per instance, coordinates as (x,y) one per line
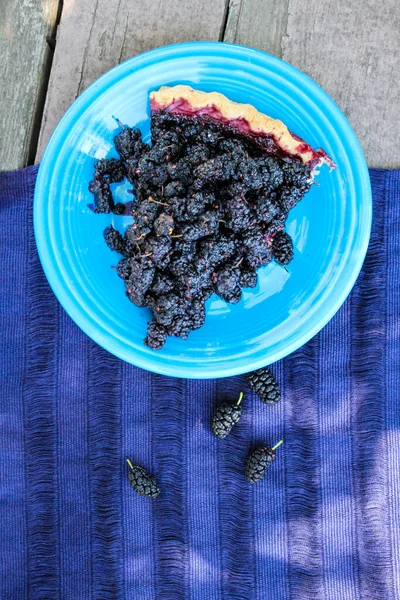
(142,482)
(225,417)
(282,248)
(264,384)
(258,462)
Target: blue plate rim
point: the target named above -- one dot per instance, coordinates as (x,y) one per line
(69,302)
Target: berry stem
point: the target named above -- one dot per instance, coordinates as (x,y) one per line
(129,463)
(151,199)
(240,399)
(277,445)
(119,122)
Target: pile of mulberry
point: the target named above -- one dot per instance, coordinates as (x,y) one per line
(209,208)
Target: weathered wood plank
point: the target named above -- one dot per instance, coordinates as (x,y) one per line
(352,50)
(25,56)
(257,23)
(93,36)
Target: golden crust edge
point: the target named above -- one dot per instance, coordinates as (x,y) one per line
(230,110)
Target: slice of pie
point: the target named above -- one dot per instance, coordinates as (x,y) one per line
(241,119)
(211,197)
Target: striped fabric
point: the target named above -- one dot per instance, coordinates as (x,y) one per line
(325,524)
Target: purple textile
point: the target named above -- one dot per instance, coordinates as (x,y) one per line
(324,525)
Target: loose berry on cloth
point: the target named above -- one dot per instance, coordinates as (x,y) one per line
(142,482)
(264,384)
(258,462)
(225,417)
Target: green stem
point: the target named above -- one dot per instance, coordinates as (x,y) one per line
(129,463)
(240,399)
(277,445)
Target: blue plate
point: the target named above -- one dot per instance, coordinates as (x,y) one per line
(330,227)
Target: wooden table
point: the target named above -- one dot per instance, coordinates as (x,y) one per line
(51,50)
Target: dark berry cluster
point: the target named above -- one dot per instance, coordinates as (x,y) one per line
(282,248)
(107,171)
(142,482)
(264,384)
(258,462)
(209,209)
(225,417)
